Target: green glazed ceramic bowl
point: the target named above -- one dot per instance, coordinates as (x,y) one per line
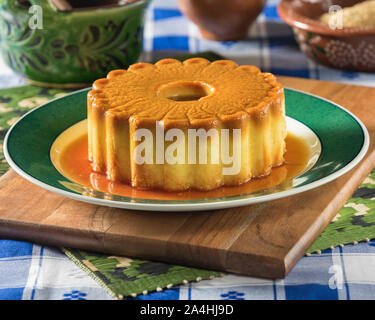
(73,48)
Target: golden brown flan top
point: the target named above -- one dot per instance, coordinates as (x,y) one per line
(184,95)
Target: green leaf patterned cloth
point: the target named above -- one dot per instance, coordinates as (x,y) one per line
(355,222)
(122,276)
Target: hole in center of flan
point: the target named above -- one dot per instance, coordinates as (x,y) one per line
(185,90)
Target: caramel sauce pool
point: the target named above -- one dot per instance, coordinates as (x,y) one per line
(76,167)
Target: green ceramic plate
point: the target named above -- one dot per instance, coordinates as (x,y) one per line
(337,140)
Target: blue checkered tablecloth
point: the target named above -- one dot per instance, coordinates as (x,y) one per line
(30,271)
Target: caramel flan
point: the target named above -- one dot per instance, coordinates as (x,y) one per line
(189,105)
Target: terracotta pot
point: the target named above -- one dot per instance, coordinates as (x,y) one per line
(348,48)
(222,20)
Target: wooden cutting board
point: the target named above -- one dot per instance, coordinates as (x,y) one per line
(264,240)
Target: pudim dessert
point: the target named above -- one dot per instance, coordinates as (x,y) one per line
(186,125)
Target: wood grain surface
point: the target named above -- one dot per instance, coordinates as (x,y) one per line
(264,240)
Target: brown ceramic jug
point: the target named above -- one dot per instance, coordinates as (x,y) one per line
(222,20)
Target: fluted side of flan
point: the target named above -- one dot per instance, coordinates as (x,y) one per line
(127,101)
